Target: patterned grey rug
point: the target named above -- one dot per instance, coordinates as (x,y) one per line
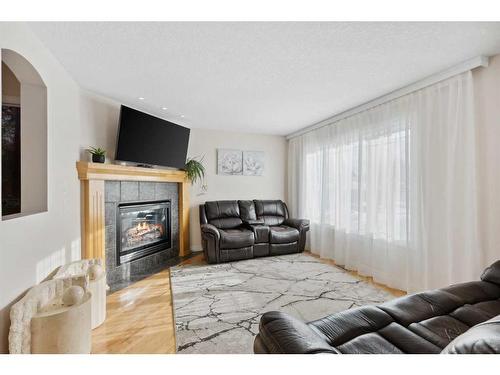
(217,307)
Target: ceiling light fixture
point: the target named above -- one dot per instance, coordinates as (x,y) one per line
(164,108)
(141,98)
(182,116)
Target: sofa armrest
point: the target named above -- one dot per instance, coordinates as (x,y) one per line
(280,333)
(300,224)
(259,229)
(210,239)
(492,273)
(210,229)
(483,338)
(252,224)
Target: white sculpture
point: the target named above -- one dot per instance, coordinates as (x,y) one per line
(73,295)
(42,323)
(56,316)
(97,284)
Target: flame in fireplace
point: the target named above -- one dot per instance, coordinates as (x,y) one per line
(144,231)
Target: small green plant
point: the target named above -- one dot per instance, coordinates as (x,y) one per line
(195,169)
(97,151)
(98,154)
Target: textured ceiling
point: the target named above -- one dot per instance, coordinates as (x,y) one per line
(270,78)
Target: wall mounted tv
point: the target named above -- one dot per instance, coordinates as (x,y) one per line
(149,140)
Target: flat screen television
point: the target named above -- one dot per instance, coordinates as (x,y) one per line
(149,140)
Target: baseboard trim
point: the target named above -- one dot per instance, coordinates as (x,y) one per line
(196,248)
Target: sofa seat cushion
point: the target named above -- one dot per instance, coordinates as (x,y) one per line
(470,315)
(283,234)
(236,238)
(408,341)
(492,308)
(439,330)
(360,330)
(421,306)
(346,325)
(369,343)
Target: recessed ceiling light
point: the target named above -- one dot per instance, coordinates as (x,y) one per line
(164,108)
(141,98)
(182,116)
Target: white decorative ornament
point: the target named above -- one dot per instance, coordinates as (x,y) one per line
(73,295)
(95,271)
(41,322)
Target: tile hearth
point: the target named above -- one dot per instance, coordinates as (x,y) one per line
(119,276)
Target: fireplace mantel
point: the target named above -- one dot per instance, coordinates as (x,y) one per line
(92,177)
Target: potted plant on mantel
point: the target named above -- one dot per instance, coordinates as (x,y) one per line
(98,154)
(194,169)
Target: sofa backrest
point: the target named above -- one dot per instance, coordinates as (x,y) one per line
(221,214)
(272,212)
(231,214)
(247,210)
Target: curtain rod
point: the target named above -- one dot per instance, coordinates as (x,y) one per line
(415,86)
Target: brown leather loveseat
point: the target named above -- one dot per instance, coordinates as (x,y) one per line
(461,318)
(244,229)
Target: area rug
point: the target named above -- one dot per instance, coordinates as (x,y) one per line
(217,307)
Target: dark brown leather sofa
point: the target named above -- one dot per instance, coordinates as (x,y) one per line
(235,230)
(462,318)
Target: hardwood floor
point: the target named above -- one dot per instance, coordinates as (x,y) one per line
(140,317)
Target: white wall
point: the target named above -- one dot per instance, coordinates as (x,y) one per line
(487,97)
(32,246)
(99,117)
(269,186)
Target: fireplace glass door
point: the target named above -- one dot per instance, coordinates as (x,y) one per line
(143,229)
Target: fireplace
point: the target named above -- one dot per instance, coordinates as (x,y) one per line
(142,229)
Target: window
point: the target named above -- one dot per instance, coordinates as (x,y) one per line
(11,143)
(359,185)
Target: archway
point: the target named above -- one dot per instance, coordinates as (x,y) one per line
(24,137)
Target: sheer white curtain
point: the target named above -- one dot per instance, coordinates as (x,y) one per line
(391,191)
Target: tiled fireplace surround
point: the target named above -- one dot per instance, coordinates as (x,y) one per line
(139,192)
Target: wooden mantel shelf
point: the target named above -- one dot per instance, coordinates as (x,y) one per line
(99,171)
(92,177)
